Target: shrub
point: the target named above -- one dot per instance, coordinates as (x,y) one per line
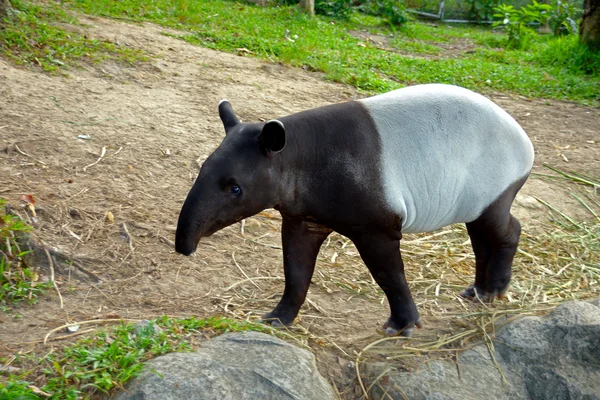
(336,8)
(393,11)
(562,18)
(568,53)
(482,10)
(517,22)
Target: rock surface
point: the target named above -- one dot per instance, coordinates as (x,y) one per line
(552,357)
(243,365)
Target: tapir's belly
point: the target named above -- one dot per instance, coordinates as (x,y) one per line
(446,154)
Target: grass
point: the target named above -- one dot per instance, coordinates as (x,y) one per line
(18,281)
(109,358)
(32,36)
(282,34)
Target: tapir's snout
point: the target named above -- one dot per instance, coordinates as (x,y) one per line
(189,231)
(193,224)
(185,244)
(185,249)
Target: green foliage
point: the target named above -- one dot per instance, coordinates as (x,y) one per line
(394,12)
(17,279)
(562,17)
(483,10)
(16,390)
(416,47)
(516,22)
(568,53)
(110,358)
(106,360)
(29,36)
(336,8)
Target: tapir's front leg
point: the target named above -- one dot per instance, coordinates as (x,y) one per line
(301,243)
(382,256)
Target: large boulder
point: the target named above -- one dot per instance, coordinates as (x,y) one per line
(243,365)
(553,357)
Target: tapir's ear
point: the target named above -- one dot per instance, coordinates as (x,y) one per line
(272,137)
(227,115)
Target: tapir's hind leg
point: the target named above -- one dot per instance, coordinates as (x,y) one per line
(495,245)
(382,256)
(301,243)
(495,237)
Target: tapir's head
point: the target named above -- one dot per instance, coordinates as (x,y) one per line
(237,181)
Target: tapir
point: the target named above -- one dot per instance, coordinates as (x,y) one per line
(411,160)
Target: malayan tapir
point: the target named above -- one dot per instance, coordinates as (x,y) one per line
(411,160)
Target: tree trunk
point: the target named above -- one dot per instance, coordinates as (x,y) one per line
(589,30)
(4,6)
(306,5)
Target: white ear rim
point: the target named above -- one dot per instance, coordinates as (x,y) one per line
(223,101)
(277,122)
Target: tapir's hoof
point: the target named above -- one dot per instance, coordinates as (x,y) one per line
(481,296)
(407,331)
(274,321)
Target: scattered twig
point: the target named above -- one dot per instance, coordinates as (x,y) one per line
(243,272)
(9,247)
(51,266)
(92,321)
(376,380)
(490,346)
(562,214)
(102,154)
(357,362)
(252,279)
(38,391)
(573,177)
(585,205)
(21,151)
(69,336)
(166,240)
(127,236)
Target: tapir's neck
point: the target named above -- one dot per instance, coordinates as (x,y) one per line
(326,142)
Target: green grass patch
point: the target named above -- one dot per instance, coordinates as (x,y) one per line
(282,34)
(415,47)
(31,35)
(567,53)
(110,357)
(18,281)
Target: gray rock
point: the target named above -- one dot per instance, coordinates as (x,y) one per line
(551,358)
(244,365)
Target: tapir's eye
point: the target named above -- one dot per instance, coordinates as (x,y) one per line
(235,189)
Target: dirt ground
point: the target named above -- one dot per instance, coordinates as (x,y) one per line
(154,121)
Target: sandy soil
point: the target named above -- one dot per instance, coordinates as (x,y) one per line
(155,121)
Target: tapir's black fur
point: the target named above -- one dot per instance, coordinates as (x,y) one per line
(321,184)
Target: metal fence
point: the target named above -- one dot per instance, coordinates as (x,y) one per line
(456,10)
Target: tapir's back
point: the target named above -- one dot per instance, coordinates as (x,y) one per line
(446,153)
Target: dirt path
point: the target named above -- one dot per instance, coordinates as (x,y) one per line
(154,122)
